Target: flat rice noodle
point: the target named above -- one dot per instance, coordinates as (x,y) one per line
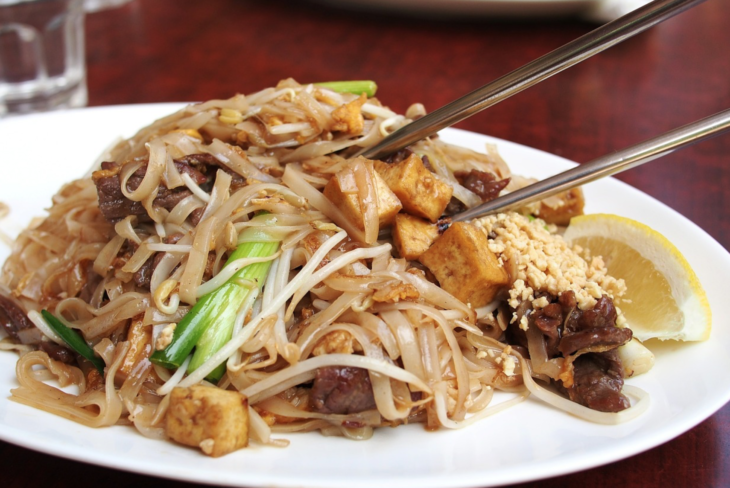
(39,395)
(197,260)
(226,155)
(408,345)
(153,174)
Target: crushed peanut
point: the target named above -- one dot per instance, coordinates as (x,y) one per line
(207,446)
(543,262)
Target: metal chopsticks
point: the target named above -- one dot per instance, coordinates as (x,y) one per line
(530,74)
(604,166)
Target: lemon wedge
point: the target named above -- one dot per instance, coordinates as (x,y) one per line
(664,298)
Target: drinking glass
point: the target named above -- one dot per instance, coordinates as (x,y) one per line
(42,63)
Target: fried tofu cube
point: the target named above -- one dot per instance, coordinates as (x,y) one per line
(412,236)
(464,266)
(139,337)
(420,191)
(210,418)
(347,118)
(349,203)
(572,205)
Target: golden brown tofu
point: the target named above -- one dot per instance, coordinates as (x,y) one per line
(347,118)
(420,191)
(464,265)
(212,419)
(139,337)
(573,203)
(412,236)
(348,202)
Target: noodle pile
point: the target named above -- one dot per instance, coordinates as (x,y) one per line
(336,295)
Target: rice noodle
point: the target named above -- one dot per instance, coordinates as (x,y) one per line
(336,300)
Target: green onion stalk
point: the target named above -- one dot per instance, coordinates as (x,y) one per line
(208,326)
(74,340)
(355,87)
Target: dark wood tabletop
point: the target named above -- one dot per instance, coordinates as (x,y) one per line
(679,71)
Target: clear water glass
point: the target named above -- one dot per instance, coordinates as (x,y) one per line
(42,64)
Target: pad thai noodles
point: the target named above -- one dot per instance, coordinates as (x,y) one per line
(233,272)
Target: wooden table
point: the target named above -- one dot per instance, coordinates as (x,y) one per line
(172,50)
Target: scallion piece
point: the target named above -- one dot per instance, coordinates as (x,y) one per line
(208,326)
(356,87)
(73,339)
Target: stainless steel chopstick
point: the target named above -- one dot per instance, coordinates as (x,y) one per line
(604,166)
(530,74)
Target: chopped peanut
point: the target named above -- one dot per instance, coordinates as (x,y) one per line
(212,419)
(413,236)
(464,266)
(421,192)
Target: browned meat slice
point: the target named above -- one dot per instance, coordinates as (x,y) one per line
(342,390)
(549,319)
(208,164)
(592,336)
(482,183)
(603,314)
(598,379)
(13,318)
(143,276)
(115,206)
(112,202)
(598,336)
(399,156)
(57,353)
(197,159)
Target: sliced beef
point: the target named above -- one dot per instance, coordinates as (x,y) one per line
(599,336)
(115,206)
(342,390)
(598,379)
(567,330)
(12,318)
(92,282)
(112,202)
(143,276)
(57,352)
(398,156)
(199,160)
(482,183)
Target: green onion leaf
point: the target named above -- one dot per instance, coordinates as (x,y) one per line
(208,325)
(73,339)
(356,87)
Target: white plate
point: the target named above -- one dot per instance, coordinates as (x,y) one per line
(527,442)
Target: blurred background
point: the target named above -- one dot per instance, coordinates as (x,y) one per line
(675,73)
(433,51)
